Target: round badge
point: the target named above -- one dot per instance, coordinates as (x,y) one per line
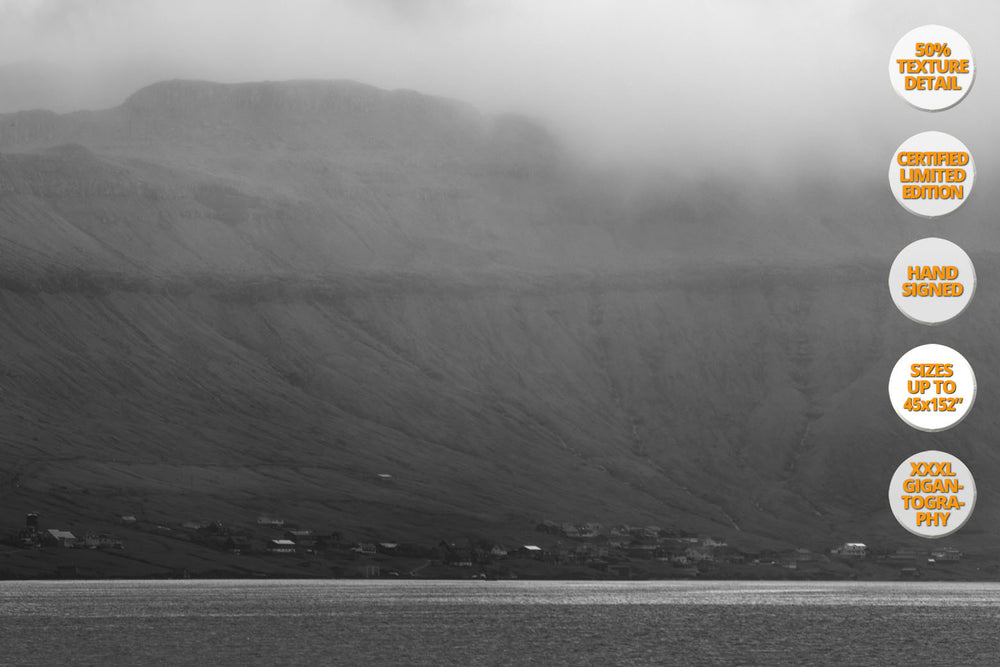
(932,281)
(932,494)
(932,387)
(931,174)
(931,67)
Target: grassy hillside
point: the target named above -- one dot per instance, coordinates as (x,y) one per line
(752,406)
(220,301)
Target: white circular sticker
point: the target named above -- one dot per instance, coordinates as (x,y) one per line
(932,281)
(931,67)
(932,494)
(932,387)
(931,174)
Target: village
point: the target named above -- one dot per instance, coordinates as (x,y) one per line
(270,546)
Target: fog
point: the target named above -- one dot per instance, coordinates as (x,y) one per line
(778,85)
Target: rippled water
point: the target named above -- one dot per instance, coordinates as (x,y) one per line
(498,623)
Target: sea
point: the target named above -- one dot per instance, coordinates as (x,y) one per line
(414,622)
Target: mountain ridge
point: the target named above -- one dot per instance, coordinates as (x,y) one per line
(248,305)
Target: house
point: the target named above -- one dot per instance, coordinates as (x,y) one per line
(126,519)
(620,531)
(102,541)
(498,551)
(452,554)
(59,538)
(365,548)
(699,555)
(852,550)
(946,554)
(264,520)
(569,530)
(280,547)
(530,551)
(28,538)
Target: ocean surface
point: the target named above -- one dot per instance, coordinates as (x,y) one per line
(498,623)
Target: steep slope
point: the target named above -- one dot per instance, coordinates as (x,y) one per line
(225,300)
(751,407)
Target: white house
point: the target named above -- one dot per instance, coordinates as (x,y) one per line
(281,547)
(852,549)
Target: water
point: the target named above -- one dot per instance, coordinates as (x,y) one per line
(498,623)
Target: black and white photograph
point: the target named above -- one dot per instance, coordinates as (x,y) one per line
(499,332)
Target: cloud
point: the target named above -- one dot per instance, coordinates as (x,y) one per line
(697,85)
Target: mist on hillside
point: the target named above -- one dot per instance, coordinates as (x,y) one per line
(769,87)
(583,260)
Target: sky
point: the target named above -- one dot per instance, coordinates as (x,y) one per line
(768,84)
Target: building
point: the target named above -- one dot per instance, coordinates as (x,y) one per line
(102,541)
(699,555)
(455,555)
(852,550)
(264,520)
(59,538)
(529,550)
(946,554)
(569,530)
(280,547)
(365,548)
(29,537)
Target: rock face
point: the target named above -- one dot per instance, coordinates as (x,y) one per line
(232,299)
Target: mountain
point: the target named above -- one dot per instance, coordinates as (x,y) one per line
(227,300)
(369,179)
